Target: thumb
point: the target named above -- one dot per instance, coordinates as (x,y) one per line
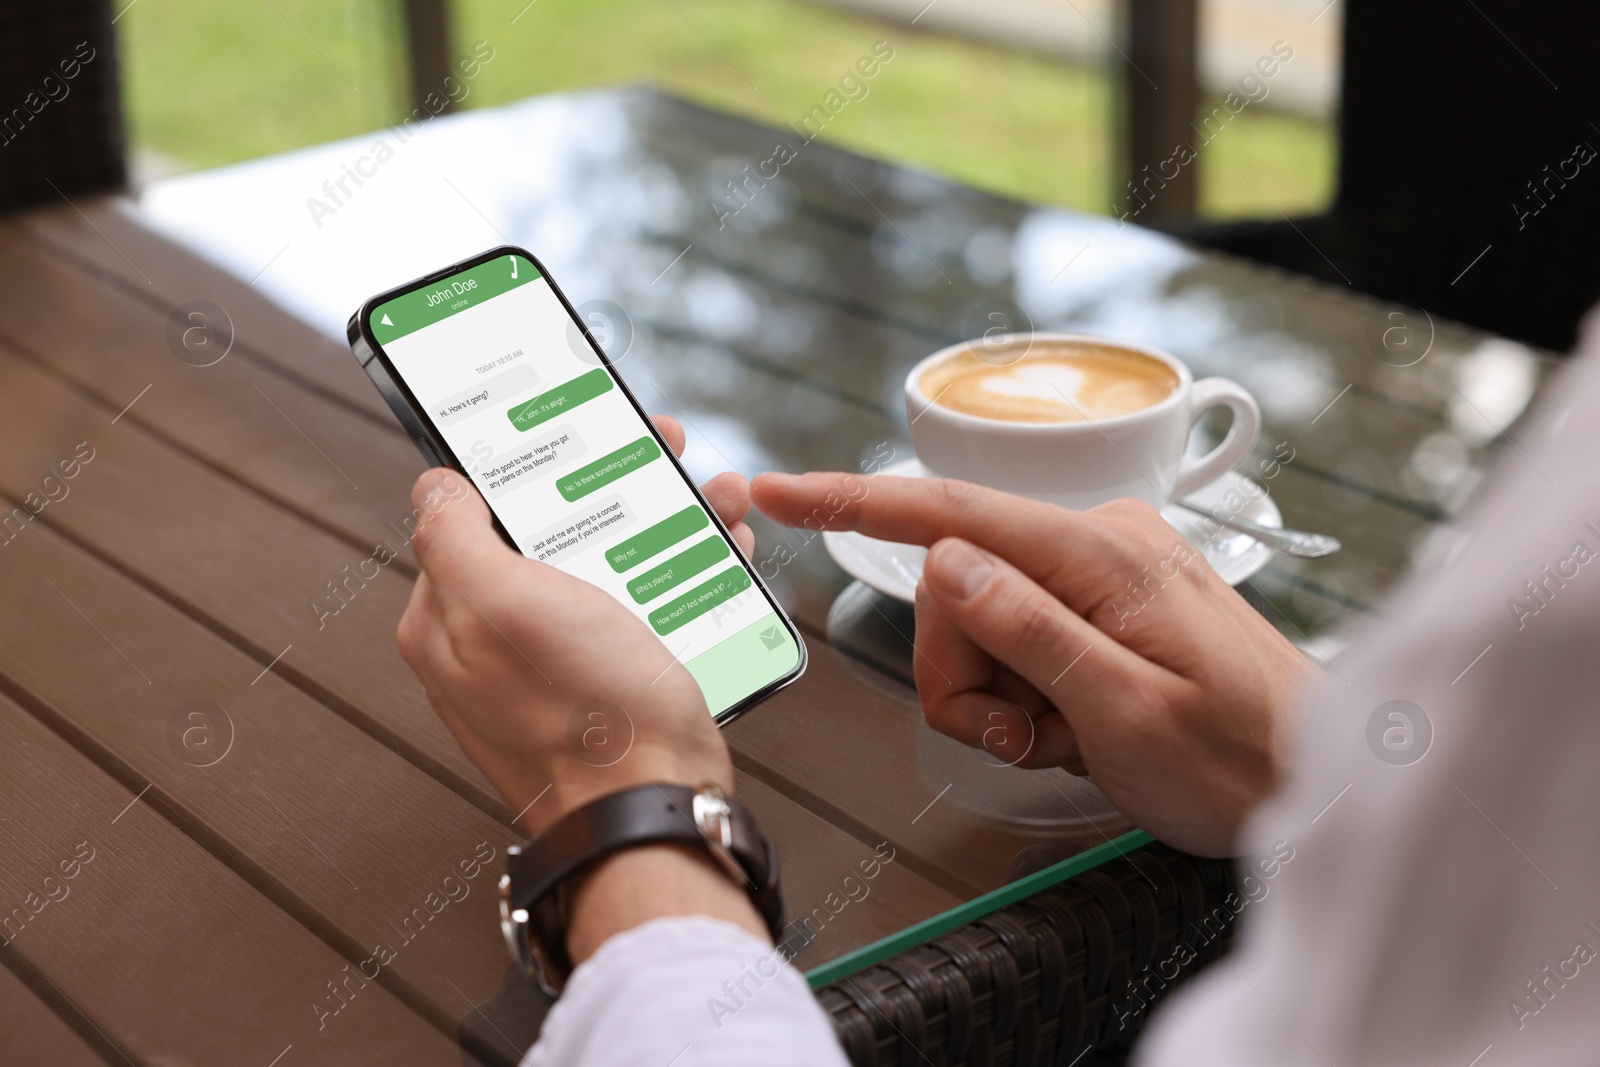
(455,539)
(1011,617)
(474,571)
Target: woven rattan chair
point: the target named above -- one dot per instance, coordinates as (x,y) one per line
(1075,967)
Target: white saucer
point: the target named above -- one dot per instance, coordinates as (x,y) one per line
(894,569)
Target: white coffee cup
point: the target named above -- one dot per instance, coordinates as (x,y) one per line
(1080,464)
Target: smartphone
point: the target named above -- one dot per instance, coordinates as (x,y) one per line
(492,372)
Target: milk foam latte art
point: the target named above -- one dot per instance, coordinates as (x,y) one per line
(1071,419)
(1051,383)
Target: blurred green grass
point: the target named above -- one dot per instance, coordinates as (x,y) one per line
(212,83)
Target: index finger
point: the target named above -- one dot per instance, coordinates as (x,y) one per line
(1036,537)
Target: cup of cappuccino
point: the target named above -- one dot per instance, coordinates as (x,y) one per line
(1071,419)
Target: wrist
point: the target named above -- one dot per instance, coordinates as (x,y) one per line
(653,851)
(633,887)
(557,788)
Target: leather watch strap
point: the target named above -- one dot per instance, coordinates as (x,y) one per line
(651,814)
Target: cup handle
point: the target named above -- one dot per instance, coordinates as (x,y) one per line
(1203,470)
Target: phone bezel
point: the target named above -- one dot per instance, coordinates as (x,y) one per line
(360,330)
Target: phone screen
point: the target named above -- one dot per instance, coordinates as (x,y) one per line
(573,470)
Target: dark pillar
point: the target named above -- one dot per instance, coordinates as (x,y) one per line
(428,51)
(1161,96)
(60,108)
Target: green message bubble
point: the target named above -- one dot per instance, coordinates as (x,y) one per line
(563,398)
(699,600)
(658,538)
(677,570)
(608,468)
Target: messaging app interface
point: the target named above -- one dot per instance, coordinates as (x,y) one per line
(573,473)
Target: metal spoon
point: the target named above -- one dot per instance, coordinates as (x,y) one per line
(1290,542)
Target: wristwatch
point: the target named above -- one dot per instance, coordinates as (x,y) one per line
(531,912)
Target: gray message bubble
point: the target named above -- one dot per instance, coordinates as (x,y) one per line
(591,525)
(486,395)
(540,455)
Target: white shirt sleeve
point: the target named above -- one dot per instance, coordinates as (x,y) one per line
(686,992)
(1442,911)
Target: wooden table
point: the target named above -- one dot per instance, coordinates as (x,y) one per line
(231,834)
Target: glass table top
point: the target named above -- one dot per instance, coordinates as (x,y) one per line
(771,293)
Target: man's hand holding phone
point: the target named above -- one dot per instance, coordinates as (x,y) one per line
(518,659)
(580,624)
(521,661)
